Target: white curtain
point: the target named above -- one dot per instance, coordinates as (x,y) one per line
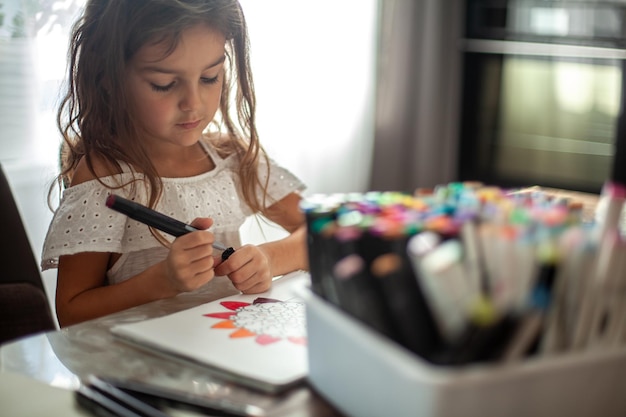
(314,67)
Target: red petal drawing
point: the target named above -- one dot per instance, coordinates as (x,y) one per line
(234,305)
(223,315)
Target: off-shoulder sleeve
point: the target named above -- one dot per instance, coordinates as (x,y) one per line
(281,181)
(83,223)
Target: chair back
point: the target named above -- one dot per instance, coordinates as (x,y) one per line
(24,306)
(18,260)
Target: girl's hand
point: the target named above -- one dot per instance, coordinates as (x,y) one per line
(189,264)
(248,268)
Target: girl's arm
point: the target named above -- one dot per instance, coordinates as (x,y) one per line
(82,293)
(251,268)
(288,254)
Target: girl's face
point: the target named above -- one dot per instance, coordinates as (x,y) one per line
(175,97)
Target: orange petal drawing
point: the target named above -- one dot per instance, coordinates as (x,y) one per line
(242,333)
(226,324)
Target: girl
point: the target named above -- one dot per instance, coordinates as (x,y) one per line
(148,116)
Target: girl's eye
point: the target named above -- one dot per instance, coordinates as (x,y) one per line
(162,88)
(165,88)
(206,80)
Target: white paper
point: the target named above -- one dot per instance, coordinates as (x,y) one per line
(271,349)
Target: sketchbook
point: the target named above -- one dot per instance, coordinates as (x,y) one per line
(258,340)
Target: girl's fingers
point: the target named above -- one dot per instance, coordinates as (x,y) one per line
(202,223)
(258,287)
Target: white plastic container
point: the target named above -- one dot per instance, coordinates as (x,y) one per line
(365,374)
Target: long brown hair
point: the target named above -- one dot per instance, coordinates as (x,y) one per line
(93,117)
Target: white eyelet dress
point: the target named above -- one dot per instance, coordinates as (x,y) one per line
(83,223)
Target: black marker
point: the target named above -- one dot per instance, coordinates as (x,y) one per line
(159,396)
(103,399)
(157,220)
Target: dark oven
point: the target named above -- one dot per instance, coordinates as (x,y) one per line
(541,92)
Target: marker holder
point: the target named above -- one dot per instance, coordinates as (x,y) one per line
(364,373)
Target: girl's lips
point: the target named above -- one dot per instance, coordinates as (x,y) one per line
(189,125)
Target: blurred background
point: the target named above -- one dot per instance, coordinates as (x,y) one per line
(357,95)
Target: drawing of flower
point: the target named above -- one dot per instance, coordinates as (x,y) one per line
(267,319)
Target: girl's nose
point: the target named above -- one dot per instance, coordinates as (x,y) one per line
(190,99)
